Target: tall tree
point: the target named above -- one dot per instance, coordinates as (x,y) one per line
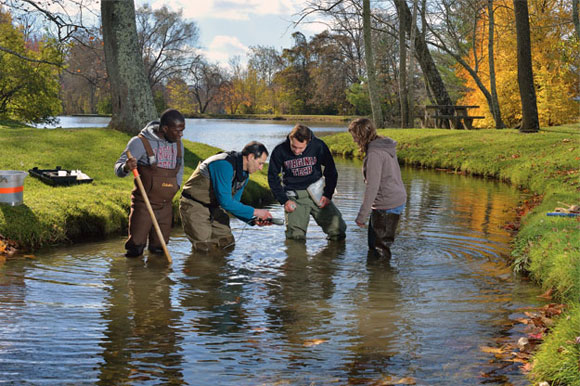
(403,87)
(28,87)
(207,82)
(166,41)
(424,57)
(370,64)
(459,32)
(530,122)
(575,17)
(554,56)
(84,85)
(495,109)
(132,100)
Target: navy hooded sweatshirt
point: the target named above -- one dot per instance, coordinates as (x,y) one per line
(299,171)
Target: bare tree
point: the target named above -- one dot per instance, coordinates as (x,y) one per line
(424,57)
(86,76)
(370,64)
(266,61)
(403,90)
(207,79)
(530,122)
(132,100)
(167,42)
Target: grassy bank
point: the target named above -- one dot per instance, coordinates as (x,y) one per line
(548,248)
(55,215)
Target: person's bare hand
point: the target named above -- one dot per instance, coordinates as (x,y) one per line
(130,164)
(290,206)
(262,214)
(324,201)
(360,224)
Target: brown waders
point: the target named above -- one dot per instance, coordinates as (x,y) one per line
(328,218)
(381,235)
(160,185)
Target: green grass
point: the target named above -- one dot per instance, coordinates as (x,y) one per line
(548,248)
(55,215)
(558,357)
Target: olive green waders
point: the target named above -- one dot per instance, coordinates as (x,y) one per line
(206,225)
(328,218)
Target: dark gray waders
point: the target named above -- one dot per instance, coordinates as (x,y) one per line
(382,229)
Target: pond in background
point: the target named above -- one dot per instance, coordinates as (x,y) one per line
(271,311)
(226,134)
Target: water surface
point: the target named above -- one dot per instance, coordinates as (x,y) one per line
(271,311)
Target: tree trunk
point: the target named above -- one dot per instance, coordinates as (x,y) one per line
(575,17)
(495,109)
(370,64)
(131,96)
(424,57)
(403,89)
(530,121)
(411,72)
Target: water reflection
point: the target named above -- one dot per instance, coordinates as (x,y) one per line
(142,342)
(213,293)
(378,324)
(271,311)
(299,295)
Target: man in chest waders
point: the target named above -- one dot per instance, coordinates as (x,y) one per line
(216,187)
(158,156)
(309,178)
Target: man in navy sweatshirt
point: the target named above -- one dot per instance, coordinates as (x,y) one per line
(300,159)
(216,187)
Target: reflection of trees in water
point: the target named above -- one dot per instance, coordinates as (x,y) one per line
(458,203)
(378,322)
(299,308)
(143,343)
(214,292)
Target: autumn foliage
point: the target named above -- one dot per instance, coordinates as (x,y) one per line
(555,62)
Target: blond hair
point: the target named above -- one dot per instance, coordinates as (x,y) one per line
(364,131)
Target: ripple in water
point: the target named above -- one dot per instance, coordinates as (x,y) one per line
(271,311)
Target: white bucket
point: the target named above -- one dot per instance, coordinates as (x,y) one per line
(12,187)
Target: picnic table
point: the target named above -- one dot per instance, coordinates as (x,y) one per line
(449,116)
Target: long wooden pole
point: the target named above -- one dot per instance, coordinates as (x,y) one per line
(150,209)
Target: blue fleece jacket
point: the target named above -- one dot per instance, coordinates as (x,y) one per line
(221,173)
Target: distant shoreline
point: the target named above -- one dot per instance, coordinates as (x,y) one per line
(266,117)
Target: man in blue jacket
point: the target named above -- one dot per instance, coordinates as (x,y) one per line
(216,187)
(300,159)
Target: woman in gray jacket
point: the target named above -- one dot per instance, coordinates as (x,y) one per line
(385,194)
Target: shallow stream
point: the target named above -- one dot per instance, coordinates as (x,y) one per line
(273,312)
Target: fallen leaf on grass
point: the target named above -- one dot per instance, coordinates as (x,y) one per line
(547,294)
(538,336)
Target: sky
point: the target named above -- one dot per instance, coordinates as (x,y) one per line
(229,27)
